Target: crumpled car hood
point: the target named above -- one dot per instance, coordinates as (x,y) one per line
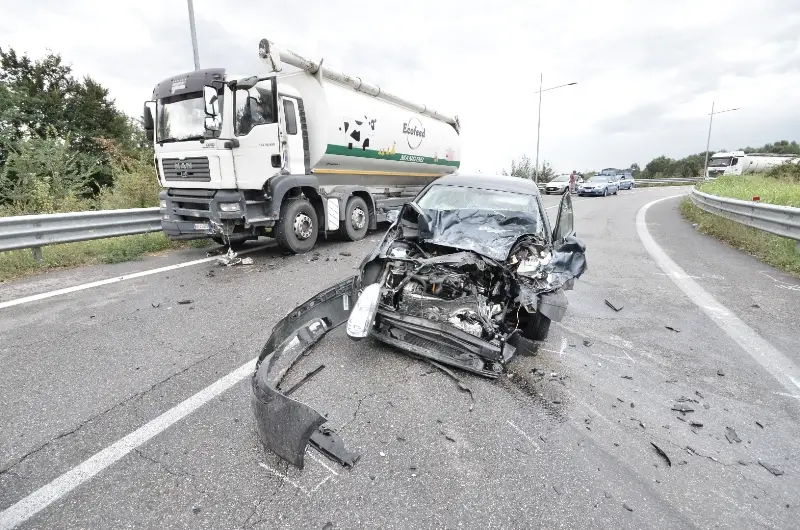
(489,233)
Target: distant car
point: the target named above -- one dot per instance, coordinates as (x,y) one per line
(599,185)
(560,185)
(626,182)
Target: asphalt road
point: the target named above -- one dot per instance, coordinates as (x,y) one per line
(564,440)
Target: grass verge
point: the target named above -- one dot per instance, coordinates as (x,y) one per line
(779,252)
(19,263)
(770,189)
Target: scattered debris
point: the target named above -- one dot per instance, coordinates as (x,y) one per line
(247,261)
(556,402)
(372,477)
(769,467)
(672,329)
(632,405)
(759,424)
(230,259)
(614,306)
(184,302)
(683,409)
(756,306)
(328,526)
(616,444)
(196,510)
(743,463)
(662,453)
(446,434)
(706,406)
(627,377)
(344,253)
(542,438)
(587,343)
(382,453)
(210,273)
(313,258)
(696,424)
(557,489)
(625,505)
(698,394)
(731,435)
(720,373)
(401,439)
(681,418)
(621,400)
(608,495)
(304,380)
(684,399)
(156,304)
(463,386)
(216,252)
(672,381)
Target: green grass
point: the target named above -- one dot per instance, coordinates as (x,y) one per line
(20,263)
(779,252)
(783,191)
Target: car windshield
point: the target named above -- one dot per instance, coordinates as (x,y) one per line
(719,162)
(600,178)
(181,117)
(561,178)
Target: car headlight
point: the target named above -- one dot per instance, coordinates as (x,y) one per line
(362,317)
(230,207)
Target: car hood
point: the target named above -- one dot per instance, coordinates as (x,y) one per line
(486,232)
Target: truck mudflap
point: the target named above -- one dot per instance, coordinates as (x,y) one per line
(286,426)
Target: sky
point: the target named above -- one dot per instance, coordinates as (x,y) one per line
(646,72)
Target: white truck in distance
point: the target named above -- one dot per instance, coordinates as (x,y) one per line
(741,163)
(289,154)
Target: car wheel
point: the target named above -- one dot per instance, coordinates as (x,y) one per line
(297,227)
(616,190)
(605,192)
(356,219)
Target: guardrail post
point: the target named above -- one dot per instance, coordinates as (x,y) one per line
(37,253)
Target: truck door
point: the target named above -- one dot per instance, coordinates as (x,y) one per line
(256,129)
(294,136)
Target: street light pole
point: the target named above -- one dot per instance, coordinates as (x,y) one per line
(708,140)
(194,35)
(539,124)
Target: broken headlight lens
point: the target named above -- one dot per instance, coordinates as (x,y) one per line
(363,315)
(229,207)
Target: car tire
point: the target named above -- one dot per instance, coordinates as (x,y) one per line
(301,238)
(605,192)
(616,191)
(356,219)
(538,328)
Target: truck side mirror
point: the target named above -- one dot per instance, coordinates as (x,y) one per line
(147,116)
(211,101)
(212,124)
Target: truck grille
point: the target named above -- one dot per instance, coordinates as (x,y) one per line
(191,169)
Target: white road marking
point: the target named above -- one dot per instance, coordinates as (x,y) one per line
(523,434)
(785,394)
(563,346)
(40,499)
(320,462)
(772,360)
(315,488)
(107,281)
(781,284)
(285,478)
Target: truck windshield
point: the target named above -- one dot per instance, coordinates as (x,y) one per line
(181,117)
(719,162)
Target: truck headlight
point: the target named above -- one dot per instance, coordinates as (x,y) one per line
(230,207)
(162,204)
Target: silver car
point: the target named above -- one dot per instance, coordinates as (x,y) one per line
(599,185)
(626,181)
(559,184)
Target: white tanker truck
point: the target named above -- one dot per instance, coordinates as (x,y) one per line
(289,154)
(741,163)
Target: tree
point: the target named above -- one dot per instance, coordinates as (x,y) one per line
(523,167)
(781,147)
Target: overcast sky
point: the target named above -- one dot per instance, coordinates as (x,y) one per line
(647,72)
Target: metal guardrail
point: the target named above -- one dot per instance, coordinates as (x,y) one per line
(36,231)
(779,220)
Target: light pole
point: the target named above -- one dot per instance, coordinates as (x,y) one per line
(539,124)
(708,140)
(194,35)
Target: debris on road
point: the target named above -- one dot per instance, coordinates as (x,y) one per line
(759,424)
(557,489)
(720,373)
(247,261)
(626,377)
(156,305)
(698,394)
(769,467)
(608,495)
(448,435)
(210,273)
(343,253)
(621,400)
(731,435)
(185,302)
(216,252)
(662,453)
(463,386)
(683,409)
(196,510)
(684,399)
(696,424)
(229,259)
(743,463)
(672,329)
(587,342)
(304,380)
(614,306)
(632,405)
(625,505)
(328,526)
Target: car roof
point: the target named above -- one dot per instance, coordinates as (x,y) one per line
(491,182)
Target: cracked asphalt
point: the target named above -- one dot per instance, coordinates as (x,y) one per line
(565,439)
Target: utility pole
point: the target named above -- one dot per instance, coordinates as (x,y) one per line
(708,140)
(539,125)
(194,35)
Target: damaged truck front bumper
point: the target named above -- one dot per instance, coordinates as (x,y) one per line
(286,426)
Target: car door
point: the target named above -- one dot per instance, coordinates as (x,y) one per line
(565,224)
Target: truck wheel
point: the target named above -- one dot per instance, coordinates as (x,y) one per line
(538,328)
(297,227)
(356,220)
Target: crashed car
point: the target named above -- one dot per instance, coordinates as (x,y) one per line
(469,274)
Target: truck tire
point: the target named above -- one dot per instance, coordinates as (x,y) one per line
(297,227)
(538,327)
(356,219)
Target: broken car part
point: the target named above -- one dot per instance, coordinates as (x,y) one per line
(286,426)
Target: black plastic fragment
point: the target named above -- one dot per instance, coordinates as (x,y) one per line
(627,377)
(731,435)
(672,329)
(614,306)
(683,409)
(662,453)
(625,505)
(304,380)
(327,442)
(769,467)
(760,424)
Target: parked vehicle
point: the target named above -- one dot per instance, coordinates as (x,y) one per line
(599,185)
(626,180)
(740,163)
(289,154)
(468,275)
(559,184)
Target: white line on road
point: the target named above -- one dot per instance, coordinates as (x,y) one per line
(523,434)
(46,495)
(772,360)
(107,281)
(285,478)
